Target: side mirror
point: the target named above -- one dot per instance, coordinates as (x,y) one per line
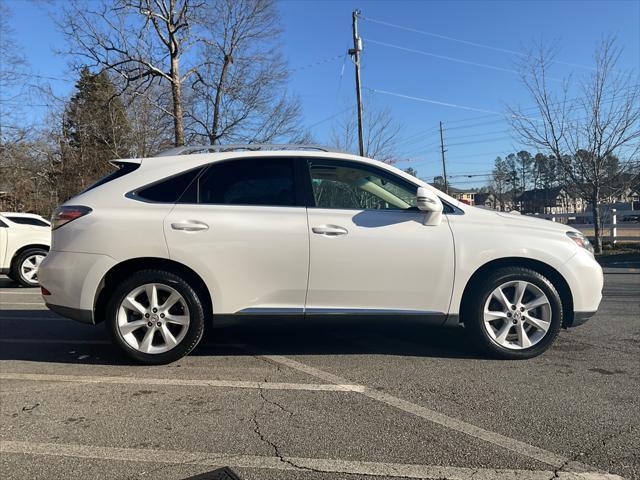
(428,201)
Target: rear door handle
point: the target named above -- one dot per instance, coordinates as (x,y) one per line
(190,226)
(330,230)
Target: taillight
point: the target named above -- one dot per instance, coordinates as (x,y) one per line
(65,214)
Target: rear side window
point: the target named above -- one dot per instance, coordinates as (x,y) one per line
(28,221)
(2,224)
(260,181)
(123,169)
(171,189)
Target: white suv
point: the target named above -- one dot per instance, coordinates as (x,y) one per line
(24,242)
(164,243)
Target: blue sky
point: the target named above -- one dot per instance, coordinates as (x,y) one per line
(317,34)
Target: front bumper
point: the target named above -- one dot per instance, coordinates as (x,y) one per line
(580,318)
(586,280)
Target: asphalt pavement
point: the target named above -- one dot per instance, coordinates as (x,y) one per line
(320,399)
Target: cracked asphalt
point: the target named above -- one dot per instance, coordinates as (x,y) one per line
(320,399)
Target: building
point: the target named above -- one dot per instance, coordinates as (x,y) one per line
(465,196)
(550,200)
(487,200)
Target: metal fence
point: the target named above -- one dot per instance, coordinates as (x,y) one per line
(618,225)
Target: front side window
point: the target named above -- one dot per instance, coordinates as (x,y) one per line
(343,185)
(259,181)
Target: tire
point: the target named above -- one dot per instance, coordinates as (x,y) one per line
(24,268)
(140,331)
(487,313)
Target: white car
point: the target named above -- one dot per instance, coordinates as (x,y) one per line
(164,243)
(24,241)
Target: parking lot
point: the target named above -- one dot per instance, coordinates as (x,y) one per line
(331,399)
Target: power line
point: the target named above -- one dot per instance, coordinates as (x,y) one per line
(452,105)
(435,102)
(318,63)
(330,117)
(443,57)
(467,42)
(418,136)
(466,107)
(481,141)
(631,88)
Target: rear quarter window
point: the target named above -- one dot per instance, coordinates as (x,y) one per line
(170,190)
(123,169)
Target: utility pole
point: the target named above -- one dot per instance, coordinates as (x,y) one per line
(444,164)
(355,55)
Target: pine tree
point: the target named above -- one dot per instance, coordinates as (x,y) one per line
(95,130)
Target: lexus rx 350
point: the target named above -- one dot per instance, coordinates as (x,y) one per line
(164,244)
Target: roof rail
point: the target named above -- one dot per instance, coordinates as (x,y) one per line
(249,147)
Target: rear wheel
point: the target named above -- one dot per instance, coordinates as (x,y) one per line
(24,268)
(155,317)
(514,313)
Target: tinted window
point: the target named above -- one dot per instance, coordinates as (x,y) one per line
(2,224)
(349,186)
(28,221)
(170,189)
(123,169)
(260,181)
(446,208)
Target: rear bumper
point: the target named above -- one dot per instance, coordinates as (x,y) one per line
(73,279)
(84,316)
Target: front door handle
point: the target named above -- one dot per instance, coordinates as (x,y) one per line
(330,230)
(190,226)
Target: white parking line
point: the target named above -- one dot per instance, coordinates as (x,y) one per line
(9,292)
(288,463)
(512,444)
(9,304)
(37,377)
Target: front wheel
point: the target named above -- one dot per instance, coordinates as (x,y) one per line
(514,313)
(155,317)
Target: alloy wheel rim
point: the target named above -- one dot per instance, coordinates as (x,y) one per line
(517,315)
(153,318)
(29,267)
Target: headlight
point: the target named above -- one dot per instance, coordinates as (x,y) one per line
(580,240)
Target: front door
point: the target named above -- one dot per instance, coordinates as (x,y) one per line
(244,226)
(370,249)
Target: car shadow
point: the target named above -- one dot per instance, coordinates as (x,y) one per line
(6,282)
(40,336)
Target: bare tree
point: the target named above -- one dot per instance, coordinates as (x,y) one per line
(238,96)
(501,181)
(151,127)
(140,41)
(381,133)
(583,135)
(13,70)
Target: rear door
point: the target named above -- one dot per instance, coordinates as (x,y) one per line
(370,249)
(242,226)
